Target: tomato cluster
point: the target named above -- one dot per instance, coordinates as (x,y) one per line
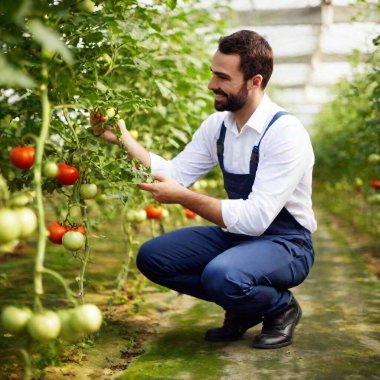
(135,216)
(22,157)
(72,238)
(68,324)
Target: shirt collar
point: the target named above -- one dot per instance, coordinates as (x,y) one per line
(256,121)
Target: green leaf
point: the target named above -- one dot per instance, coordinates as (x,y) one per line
(50,40)
(171,3)
(13,77)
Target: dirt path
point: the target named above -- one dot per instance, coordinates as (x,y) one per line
(337,338)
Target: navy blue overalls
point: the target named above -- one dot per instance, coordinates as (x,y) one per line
(238,272)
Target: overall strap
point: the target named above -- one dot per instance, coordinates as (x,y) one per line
(254,161)
(220,145)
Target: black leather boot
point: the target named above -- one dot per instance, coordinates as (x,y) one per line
(278,330)
(234,327)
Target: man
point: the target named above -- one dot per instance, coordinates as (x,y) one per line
(262,244)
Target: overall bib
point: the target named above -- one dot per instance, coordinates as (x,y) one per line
(250,274)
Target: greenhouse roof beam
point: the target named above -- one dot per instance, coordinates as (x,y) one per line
(299,16)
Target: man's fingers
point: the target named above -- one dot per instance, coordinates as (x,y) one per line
(147,186)
(97,130)
(159,177)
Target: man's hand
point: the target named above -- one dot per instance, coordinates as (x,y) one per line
(109,135)
(166,191)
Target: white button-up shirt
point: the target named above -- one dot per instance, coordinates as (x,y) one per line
(283,177)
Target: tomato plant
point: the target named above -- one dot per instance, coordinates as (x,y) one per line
(67,63)
(22,157)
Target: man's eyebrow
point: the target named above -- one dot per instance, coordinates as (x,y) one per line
(220,73)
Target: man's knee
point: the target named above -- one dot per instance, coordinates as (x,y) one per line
(144,258)
(151,260)
(223,284)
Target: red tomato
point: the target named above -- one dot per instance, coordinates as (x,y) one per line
(22,157)
(189,214)
(56,231)
(96,119)
(153,212)
(67,175)
(79,229)
(375,183)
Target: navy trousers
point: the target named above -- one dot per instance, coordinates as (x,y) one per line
(242,273)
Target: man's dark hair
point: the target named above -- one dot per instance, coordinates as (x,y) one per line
(256,56)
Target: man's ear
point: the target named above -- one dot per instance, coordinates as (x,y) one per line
(256,81)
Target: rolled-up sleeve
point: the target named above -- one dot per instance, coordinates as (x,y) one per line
(285,156)
(193,162)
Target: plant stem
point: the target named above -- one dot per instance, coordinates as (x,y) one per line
(28,374)
(61,280)
(122,277)
(152,229)
(70,124)
(41,245)
(87,250)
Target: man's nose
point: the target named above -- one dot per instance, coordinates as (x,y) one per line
(212,85)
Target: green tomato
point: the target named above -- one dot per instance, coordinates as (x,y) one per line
(75,214)
(111,112)
(101,199)
(20,200)
(86,318)
(14,319)
(27,220)
(140,216)
(165,213)
(105,58)
(9,247)
(50,169)
(44,326)
(86,6)
(67,333)
(129,216)
(373,158)
(374,199)
(9,226)
(358,182)
(134,133)
(73,240)
(88,190)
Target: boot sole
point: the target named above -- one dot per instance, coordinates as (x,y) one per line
(283,344)
(209,339)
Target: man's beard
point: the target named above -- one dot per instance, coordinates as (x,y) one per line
(232,103)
